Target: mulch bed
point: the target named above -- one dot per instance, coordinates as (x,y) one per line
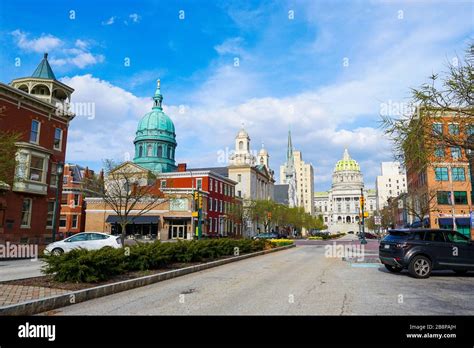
(47,281)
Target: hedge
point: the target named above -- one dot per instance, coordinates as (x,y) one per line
(327,236)
(89,266)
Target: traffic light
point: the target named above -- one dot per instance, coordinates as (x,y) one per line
(269,215)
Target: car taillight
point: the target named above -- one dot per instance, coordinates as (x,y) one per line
(400,245)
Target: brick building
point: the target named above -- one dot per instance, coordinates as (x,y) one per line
(446,180)
(35,108)
(172,218)
(72,218)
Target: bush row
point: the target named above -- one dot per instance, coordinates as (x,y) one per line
(89,266)
(327,236)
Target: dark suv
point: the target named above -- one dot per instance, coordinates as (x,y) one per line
(424,250)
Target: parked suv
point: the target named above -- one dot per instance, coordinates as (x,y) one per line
(423,250)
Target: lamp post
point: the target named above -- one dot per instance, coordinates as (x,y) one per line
(59,172)
(470,156)
(362,236)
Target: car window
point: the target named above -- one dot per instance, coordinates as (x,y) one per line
(78,238)
(396,236)
(456,237)
(418,235)
(98,236)
(434,236)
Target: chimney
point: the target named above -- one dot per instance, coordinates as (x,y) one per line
(182,167)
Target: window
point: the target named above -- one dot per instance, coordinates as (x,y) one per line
(458,174)
(456,237)
(199,184)
(455,152)
(444,197)
(53,181)
(209,203)
(470,129)
(439,151)
(210,184)
(210,225)
(239,177)
(62,221)
(65,179)
(460,197)
(74,222)
(149,150)
(160,151)
(163,183)
(49,218)
(221,187)
(453,129)
(58,139)
(26,212)
(35,131)
(241,145)
(222,208)
(36,168)
(434,236)
(64,199)
(215,185)
(216,205)
(216,227)
(169,152)
(441,174)
(140,151)
(239,193)
(437,128)
(78,238)
(76,200)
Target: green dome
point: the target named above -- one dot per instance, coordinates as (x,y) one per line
(347,163)
(155,140)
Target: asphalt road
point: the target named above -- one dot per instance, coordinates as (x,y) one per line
(299,281)
(19,269)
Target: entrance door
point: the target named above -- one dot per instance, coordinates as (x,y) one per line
(177,232)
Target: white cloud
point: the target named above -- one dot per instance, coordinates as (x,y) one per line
(134,17)
(230,46)
(44,43)
(109,21)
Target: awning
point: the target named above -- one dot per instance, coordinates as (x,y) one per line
(465,221)
(144,219)
(446,222)
(176,217)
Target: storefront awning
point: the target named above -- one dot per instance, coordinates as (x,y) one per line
(465,221)
(176,217)
(445,222)
(144,219)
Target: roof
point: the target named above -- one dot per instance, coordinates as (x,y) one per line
(223,171)
(43,70)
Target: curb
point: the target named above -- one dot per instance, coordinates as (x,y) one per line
(58,301)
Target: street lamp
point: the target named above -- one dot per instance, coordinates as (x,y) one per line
(362,202)
(470,156)
(59,172)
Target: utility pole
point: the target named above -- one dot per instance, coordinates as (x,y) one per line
(362,202)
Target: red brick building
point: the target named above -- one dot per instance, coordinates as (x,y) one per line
(35,108)
(72,217)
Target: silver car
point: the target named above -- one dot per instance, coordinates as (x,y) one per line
(84,240)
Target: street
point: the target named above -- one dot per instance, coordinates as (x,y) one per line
(298,281)
(19,269)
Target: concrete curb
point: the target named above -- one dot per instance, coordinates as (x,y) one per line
(53,302)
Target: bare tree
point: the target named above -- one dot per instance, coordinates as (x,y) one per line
(124,190)
(420,202)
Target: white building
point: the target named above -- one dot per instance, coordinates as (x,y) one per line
(288,175)
(304,182)
(340,206)
(252,173)
(391,183)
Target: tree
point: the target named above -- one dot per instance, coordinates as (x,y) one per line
(413,135)
(124,190)
(421,202)
(7,156)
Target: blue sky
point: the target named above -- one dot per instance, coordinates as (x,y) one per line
(322,68)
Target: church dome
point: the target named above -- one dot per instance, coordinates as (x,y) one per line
(347,163)
(155,123)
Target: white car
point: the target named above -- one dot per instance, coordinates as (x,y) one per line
(84,240)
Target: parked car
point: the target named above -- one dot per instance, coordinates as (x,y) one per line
(424,250)
(350,232)
(369,235)
(85,240)
(266,236)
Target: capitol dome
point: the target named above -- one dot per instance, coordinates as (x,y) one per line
(155,140)
(347,163)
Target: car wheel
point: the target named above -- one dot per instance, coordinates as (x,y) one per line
(57,251)
(393,269)
(460,271)
(420,267)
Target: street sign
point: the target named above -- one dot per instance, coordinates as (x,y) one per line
(195,214)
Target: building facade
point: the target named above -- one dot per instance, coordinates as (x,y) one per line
(340,206)
(253,176)
(73,206)
(37,109)
(391,183)
(288,175)
(444,187)
(304,182)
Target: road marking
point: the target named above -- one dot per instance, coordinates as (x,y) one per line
(365,265)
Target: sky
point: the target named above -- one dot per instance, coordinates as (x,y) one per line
(324,69)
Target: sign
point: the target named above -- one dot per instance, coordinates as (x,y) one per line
(378,220)
(195,214)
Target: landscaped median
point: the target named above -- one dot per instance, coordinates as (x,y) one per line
(103,272)
(327,236)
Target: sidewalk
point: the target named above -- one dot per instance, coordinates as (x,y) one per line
(11,294)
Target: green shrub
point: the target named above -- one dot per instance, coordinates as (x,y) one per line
(97,265)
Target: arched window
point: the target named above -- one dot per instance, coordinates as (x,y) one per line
(169,152)
(140,151)
(339,219)
(348,219)
(149,150)
(241,145)
(160,151)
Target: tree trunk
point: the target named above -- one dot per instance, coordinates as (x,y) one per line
(123,233)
